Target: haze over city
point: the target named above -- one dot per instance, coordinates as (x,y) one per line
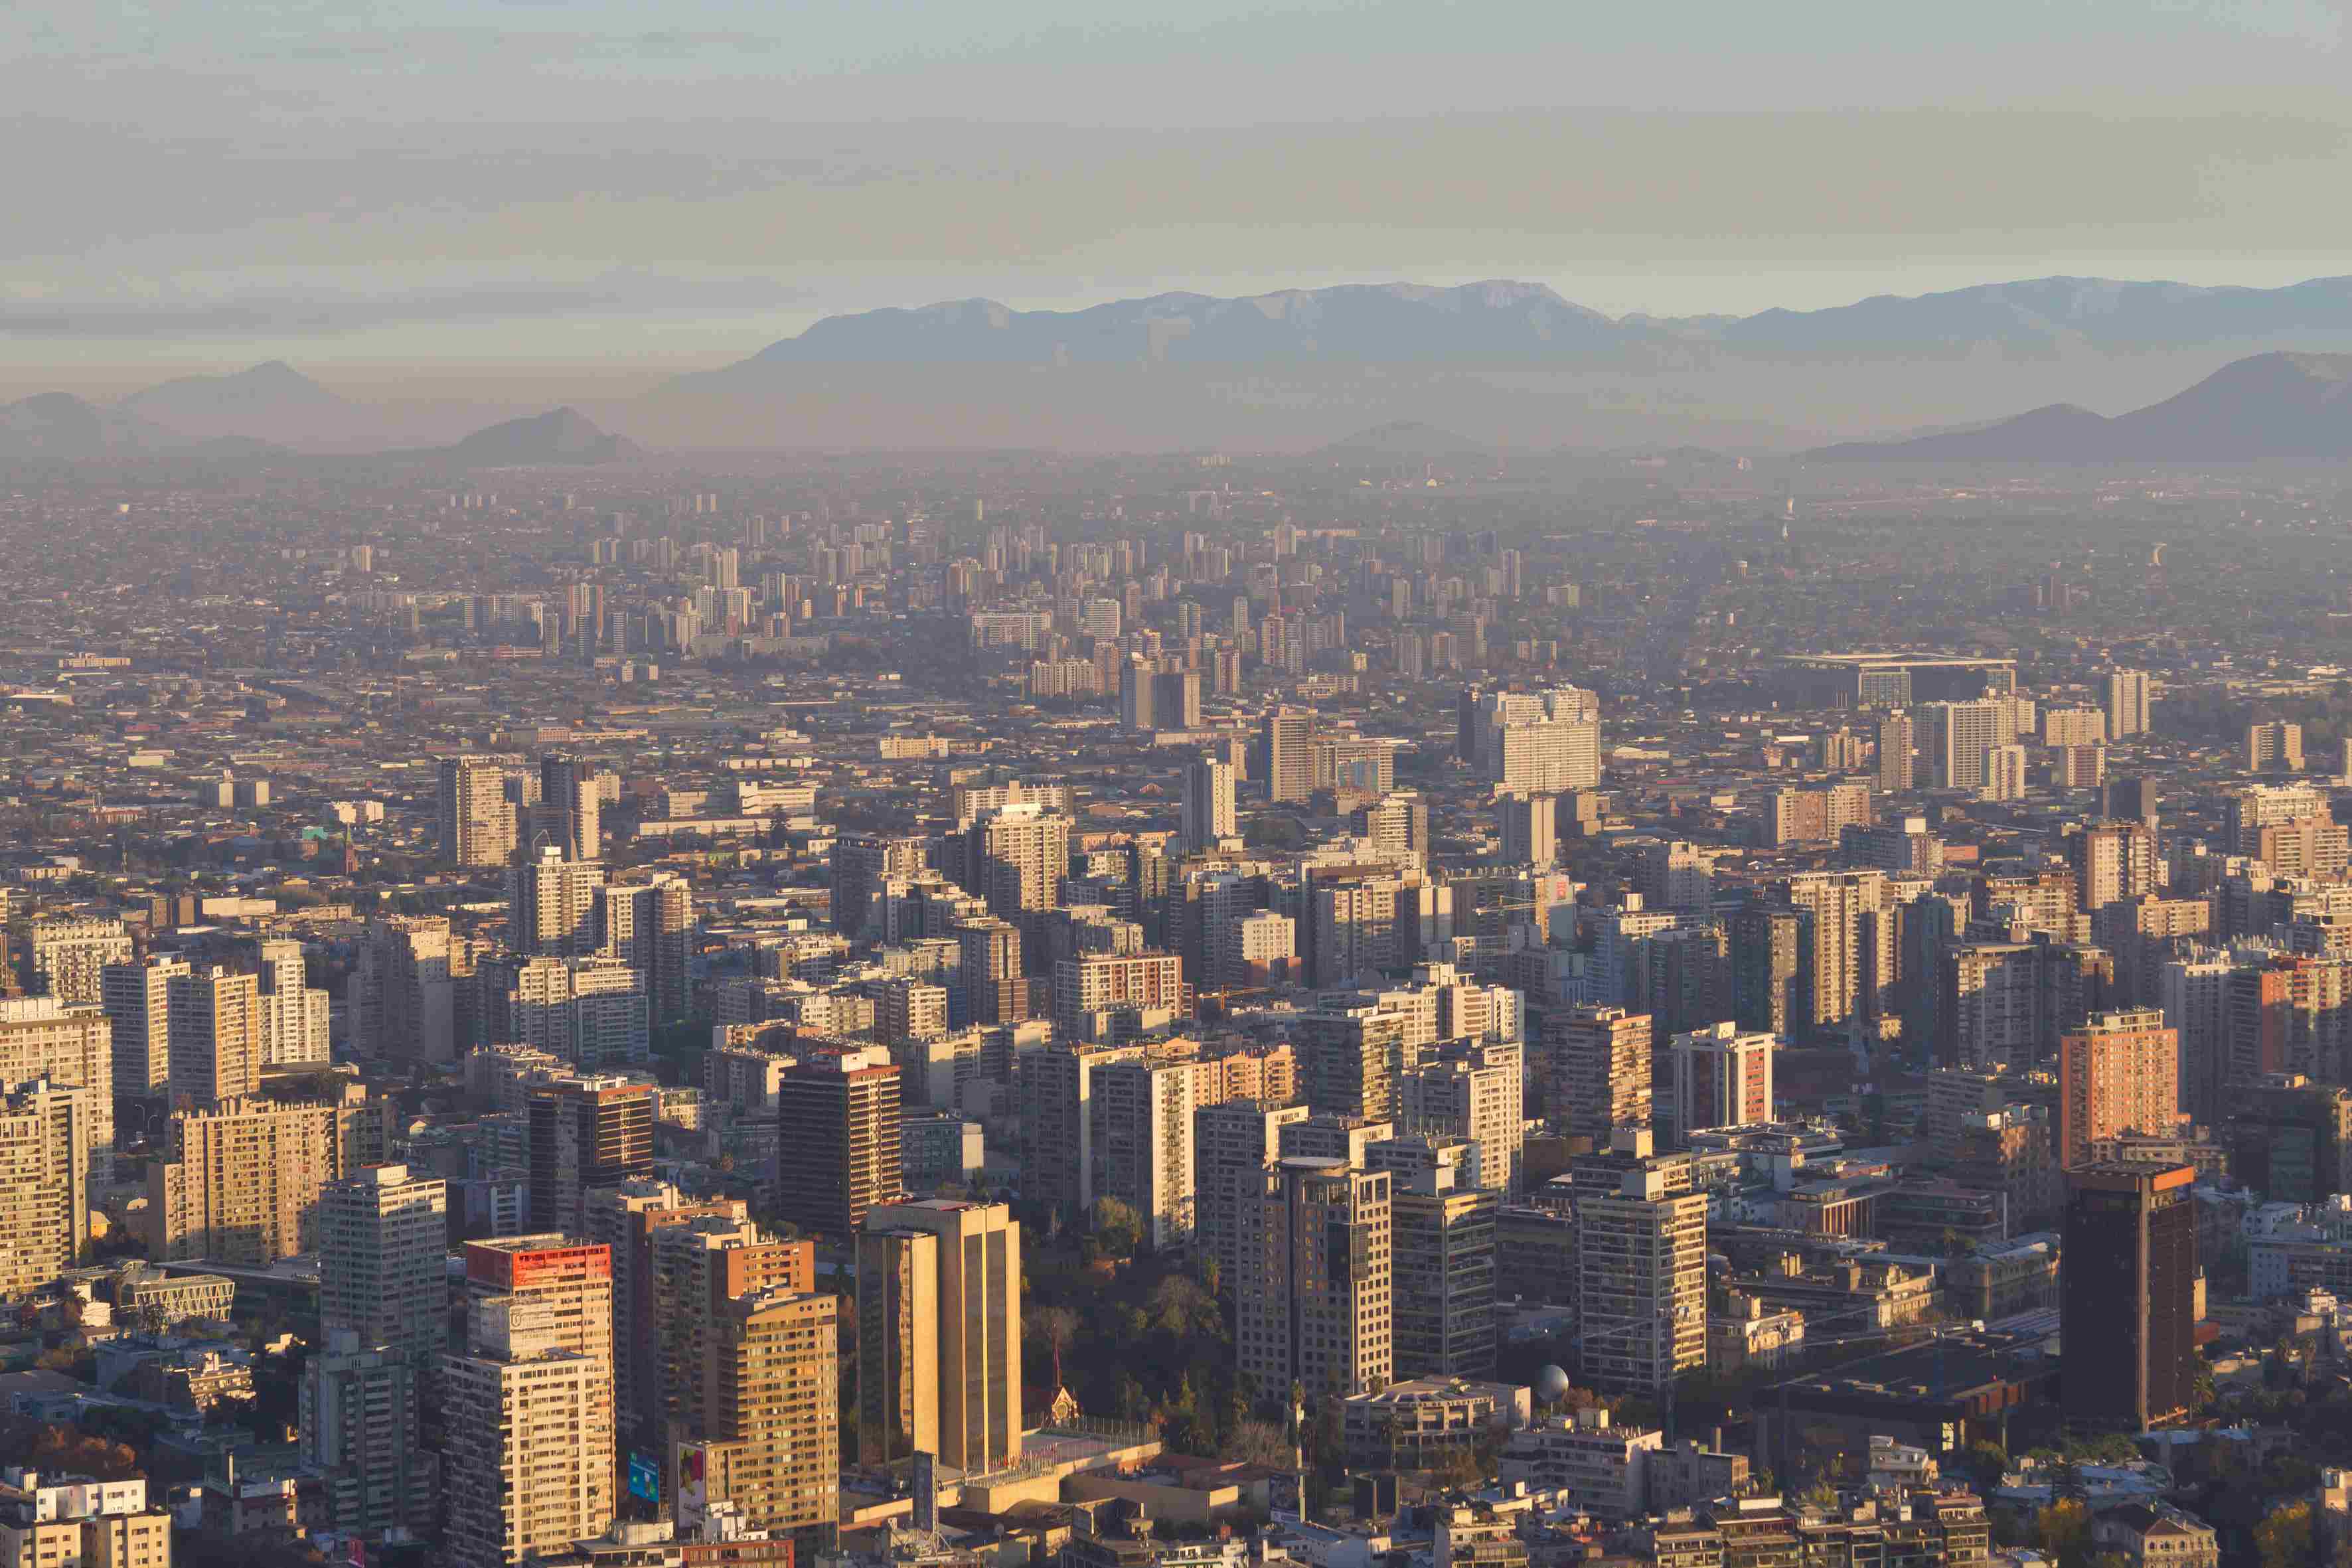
(1342,785)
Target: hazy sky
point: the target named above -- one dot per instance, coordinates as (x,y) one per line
(343,181)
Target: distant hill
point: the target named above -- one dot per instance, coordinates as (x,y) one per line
(1403,438)
(558,436)
(57,427)
(272,403)
(2271,407)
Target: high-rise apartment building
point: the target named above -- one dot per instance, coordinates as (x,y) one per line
(1442,1260)
(136,997)
(70,1046)
(2113,862)
(1601,1070)
(1283,734)
(770,1444)
(1895,754)
(1958,738)
(989,970)
(2127,1296)
(647,923)
(837,1120)
(529,1465)
(571,807)
(362,1418)
(383,1240)
(1530,830)
(1476,1091)
(1208,802)
(1020,855)
(2122,693)
(552,903)
(65,959)
(1142,1145)
(1848,958)
(2120,1072)
(401,998)
(294,1018)
(939,1288)
(215,1035)
(1721,1077)
(477,822)
(860,863)
(242,1180)
(2273,747)
(1641,1284)
(1094,990)
(585,1131)
(45,1130)
(590,1012)
(1315,1294)
(1234,1145)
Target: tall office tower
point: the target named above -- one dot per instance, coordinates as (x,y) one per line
(838,1118)
(2127,1299)
(1282,761)
(989,970)
(1640,1282)
(2122,693)
(585,1131)
(1315,1297)
(571,807)
(477,822)
(215,1036)
(2131,798)
(45,1130)
(590,1012)
(1600,1071)
(2274,747)
(1020,855)
(1958,737)
(1135,693)
(1176,698)
(137,1000)
(2113,862)
(697,1265)
(361,1418)
(528,1466)
(1847,966)
(384,1239)
(552,906)
(938,1340)
(1208,815)
(400,999)
(1895,754)
(625,1218)
(242,1181)
(65,960)
(1530,830)
(1442,1260)
(1475,1092)
(1233,1145)
(71,1046)
(2120,1072)
(1720,1078)
(1058,1085)
(648,923)
(293,1016)
(1769,988)
(860,863)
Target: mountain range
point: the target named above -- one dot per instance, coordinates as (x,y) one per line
(57,428)
(1505,364)
(2266,407)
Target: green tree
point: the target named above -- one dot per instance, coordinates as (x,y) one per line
(2062,1529)
(1117,1229)
(2284,1538)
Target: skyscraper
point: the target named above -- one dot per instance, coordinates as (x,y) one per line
(2127,1295)
(1317,1285)
(1208,805)
(571,807)
(241,1180)
(2273,747)
(1233,1145)
(647,923)
(1960,735)
(294,1018)
(771,1445)
(1721,1077)
(2120,1072)
(837,1118)
(1441,1229)
(585,1131)
(384,1238)
(400,999)
(478,823)
(552,909)
(860,862)
(71,1046)
(939,1285)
